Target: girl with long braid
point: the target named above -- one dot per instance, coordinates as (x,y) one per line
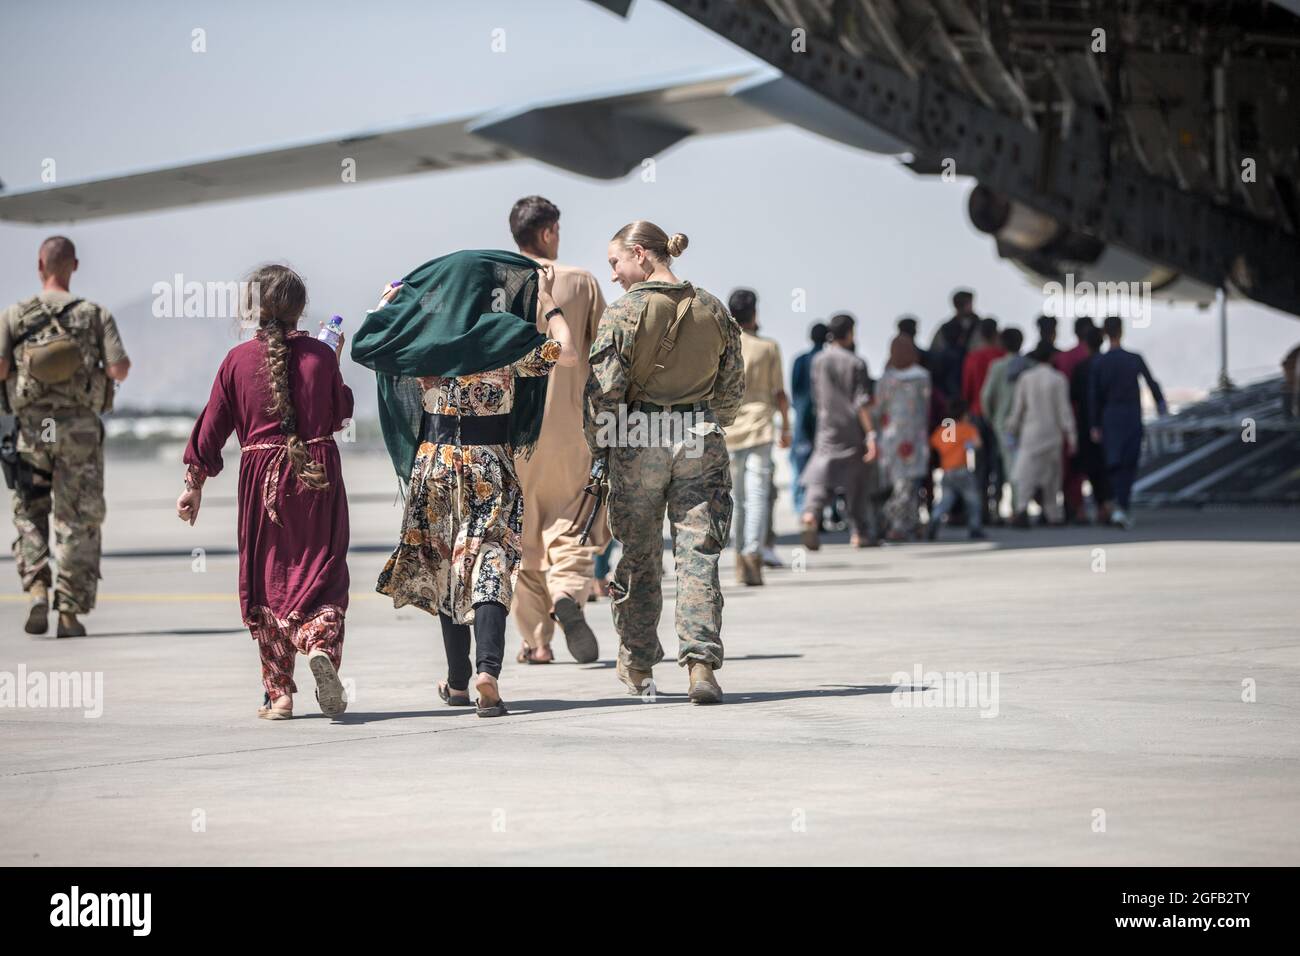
(283,396)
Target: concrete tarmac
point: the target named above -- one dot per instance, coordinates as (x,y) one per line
(1124,698)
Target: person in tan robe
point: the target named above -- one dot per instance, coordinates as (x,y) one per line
(557,571)
(1041,422)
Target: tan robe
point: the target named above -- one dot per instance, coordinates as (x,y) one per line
(1041,421)
(554,564)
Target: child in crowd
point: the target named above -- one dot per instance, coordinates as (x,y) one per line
(952,439)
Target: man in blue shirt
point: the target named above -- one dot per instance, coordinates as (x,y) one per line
(1115,410)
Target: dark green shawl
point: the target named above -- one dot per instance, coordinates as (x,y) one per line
(462,313)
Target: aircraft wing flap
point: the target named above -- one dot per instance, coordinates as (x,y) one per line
(607,137)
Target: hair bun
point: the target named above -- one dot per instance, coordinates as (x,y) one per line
(677,244)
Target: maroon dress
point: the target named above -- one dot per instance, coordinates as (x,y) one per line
(293,542)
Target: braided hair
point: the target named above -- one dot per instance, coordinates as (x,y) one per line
(275,297)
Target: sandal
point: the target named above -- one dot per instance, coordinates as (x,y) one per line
(453,699)
(491,710)
(526,656)
(329,689)
(267,712)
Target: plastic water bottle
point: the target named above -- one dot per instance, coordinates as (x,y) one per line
(330,332)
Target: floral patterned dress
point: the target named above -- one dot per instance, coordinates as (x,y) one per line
(902,408)
(460,543)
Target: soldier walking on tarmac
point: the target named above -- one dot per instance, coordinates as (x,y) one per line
(666,375)
(59,357)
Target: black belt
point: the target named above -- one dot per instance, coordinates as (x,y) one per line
(466,429)
(683,408)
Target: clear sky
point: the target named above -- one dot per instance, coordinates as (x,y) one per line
(778,210)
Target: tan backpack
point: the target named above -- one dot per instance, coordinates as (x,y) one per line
(54,360)
(650,361)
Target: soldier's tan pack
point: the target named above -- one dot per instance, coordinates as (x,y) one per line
(676,349)
(59,357)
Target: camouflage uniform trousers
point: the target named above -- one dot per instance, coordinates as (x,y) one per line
(693,485)
(68,443)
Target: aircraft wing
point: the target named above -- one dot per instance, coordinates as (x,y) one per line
(377,155)
(603,136)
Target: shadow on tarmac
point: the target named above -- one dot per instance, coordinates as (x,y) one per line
(163,632)
(549,706)
(796,579)
(1251,525)
(731,699)
(609,665)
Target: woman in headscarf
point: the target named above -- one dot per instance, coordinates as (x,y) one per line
(462,387)
(901,413)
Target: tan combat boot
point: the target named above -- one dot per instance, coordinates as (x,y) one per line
(704,686)
(38,618)
(751,569)
(637,681)
(69,626)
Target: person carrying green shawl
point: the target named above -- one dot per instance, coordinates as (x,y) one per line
(461,372)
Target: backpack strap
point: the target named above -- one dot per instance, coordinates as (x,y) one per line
(665,344)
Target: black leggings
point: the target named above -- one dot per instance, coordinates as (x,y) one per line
(490,643)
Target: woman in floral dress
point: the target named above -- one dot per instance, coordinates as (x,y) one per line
(901,413)
(459,551)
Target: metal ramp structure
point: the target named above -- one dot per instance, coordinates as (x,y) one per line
(1234,447)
